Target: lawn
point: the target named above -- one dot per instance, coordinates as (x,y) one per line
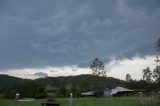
(121,101)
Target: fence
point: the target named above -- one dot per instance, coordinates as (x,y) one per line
(149,98)
(139,99)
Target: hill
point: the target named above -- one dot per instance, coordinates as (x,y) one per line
(8,81)
(59,86)
(91,82)
(85,82)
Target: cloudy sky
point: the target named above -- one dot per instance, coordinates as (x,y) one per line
(61,37)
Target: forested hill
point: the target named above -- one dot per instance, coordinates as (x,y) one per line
(84,81)
(8,81)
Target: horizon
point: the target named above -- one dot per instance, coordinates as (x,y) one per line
(112,70)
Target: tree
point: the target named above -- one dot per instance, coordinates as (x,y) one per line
(156,71)
(68,89)
(157,46)
(76,90)
(128,78)
(97,67)
(156,74)
(147,74)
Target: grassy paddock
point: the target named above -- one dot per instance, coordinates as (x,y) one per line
(121,101)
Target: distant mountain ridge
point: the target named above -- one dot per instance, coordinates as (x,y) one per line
(85,81)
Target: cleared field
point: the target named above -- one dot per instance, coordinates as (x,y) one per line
(80,102)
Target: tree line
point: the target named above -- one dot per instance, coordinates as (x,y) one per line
(151,78)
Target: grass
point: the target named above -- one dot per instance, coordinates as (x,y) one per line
(121,101)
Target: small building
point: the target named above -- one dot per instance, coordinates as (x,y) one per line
(107,92)
(119,91)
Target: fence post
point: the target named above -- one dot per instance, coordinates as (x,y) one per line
(112,101)
(153,97)
(141,98)
(159,96)
(70,100)
(16,99)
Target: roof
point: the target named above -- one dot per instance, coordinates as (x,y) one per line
(90,93)
(120,89)
(107,89)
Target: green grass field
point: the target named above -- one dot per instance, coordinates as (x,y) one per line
(121,101)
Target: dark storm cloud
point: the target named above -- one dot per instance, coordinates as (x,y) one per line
(148,6)
(56,33)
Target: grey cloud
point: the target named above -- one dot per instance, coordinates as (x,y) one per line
(57,33)
(41,74)
(148,6)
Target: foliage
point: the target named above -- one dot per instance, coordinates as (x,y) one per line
(156,74)
(97,67)
(156,71)
(8,81)
(128,77)
(134,84)
(51,89)
(157,46)
(28,89)
(147,74)
(83,83)
(142,85)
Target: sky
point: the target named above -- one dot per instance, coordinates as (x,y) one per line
(57,37)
